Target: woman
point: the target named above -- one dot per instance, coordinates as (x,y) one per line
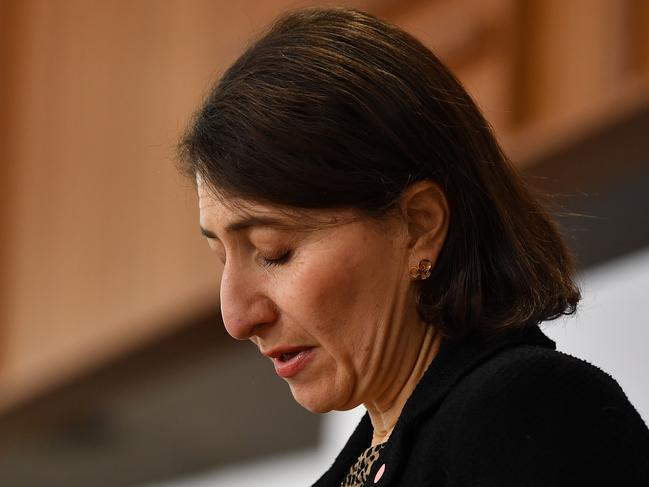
(380,250)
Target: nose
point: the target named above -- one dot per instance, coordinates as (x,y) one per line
(245,306)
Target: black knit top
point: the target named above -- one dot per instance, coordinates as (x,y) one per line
(509,411)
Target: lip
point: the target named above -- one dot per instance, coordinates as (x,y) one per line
(292,366)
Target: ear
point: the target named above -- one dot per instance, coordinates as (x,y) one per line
(425,208)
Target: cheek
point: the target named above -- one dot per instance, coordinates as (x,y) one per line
(334,301)
(341,295)
(326,289)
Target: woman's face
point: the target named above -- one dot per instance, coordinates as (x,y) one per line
(325,295)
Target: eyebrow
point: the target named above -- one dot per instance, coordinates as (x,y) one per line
(254,221)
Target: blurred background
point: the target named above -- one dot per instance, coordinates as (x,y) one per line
(115,369)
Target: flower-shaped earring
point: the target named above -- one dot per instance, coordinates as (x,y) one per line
(422,271)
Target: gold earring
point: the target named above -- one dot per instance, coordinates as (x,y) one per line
(422,271)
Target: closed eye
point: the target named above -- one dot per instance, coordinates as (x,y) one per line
(272,261)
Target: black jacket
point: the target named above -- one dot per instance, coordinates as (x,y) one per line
(508,411)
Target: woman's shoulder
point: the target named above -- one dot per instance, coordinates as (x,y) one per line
(533,409)
(540,369)
(525,379)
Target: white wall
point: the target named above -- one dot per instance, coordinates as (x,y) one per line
(610,330)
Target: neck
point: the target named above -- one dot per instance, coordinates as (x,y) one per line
(385,411)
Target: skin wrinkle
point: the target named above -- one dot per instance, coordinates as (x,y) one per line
(344,290)
(388,411)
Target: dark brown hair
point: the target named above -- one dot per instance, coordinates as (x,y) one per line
(334,108)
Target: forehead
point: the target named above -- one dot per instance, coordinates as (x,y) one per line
(217,211)
(210,200)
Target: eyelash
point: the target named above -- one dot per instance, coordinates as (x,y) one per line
(267,262)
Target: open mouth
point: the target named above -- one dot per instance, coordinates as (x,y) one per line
(285,357)
(290,363)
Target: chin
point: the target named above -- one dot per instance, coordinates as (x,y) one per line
(317,398)
(314,398)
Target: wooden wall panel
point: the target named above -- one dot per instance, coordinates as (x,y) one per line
(100,248)
(103,250)
(638,26)
(575,53)
(7,38)
(475,39)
